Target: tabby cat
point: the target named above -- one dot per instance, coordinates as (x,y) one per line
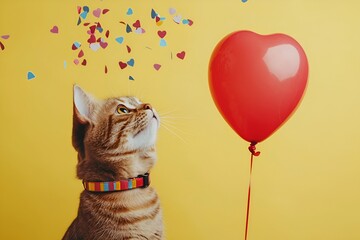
(115,140)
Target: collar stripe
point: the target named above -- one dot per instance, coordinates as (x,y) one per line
(142,181)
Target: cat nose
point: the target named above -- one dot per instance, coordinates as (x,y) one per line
(147,106)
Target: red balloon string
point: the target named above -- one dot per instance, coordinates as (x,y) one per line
(255,153)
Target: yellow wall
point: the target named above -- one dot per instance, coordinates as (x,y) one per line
(306,181)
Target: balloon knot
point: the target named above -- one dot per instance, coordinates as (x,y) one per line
(252,149)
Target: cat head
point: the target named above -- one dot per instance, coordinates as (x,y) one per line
(114,137)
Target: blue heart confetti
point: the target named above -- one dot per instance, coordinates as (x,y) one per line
(131,62)
(30,75)
(163,43)
(128,28)
(86,9)
(131,78)
(83,15)
(119,39)
(129,12)
(153,14)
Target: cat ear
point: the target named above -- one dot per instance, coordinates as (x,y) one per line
(83,105)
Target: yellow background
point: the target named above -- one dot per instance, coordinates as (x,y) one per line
(306,183)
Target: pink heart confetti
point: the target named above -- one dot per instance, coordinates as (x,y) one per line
(103,44)
(76,61)
(161,34)
(181,55)
(172,11)
(5,37)
(54,29)
(157,66)
(97,12)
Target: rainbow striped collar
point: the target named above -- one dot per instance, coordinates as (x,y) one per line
(141,181)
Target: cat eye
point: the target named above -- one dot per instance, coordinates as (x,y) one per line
(122,109)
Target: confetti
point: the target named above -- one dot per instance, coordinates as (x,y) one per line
(122,65)
(181,55)
(131,78)
(97,12)
(30,76)
(65,64)
(161,34)
(177,19)
(128,28)
(107,34)
(106,69)
(172,11)
(244,1)
(128,49)
(153,14)
(119,39)
(54,29)
(76,61)
(137,24)
(2,46)
(105,11)
(75,45)
(81,54)
(94,46)
(157,66)
(103,44)
(139,31)
(129,11)
(163,43)
(5,37)
(84,62)
(131,62)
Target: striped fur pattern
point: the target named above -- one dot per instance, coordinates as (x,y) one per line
(115,139)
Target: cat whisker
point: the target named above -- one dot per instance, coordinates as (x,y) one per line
(173,132)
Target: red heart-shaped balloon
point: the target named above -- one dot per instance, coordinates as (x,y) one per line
(257,81)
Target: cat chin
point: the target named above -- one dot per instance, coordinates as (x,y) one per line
(146,138)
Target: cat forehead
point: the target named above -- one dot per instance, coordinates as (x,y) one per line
(130,102)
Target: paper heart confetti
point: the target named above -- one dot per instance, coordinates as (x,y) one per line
(5,37)
(161,34)
(2,46)
(30,75)
(104,11)
(84,62)
(75,45)
(122,65)
(157,66)
(131,78)
(106,69)
(129,12)
(119,39)
(94,46)
(103,45)
(177,19)
(172,11)
(139,31)
(54,29)
(128,28)
(97,12)
(92,39)
(76,61)
(181,55)
(131,62)
(81,54)
(137,24)
(107,34)
(163,43)
(128,49)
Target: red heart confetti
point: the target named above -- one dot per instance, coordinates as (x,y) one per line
(137,24)
(54,29)
(157,66)
(86,24)
(106,69)
(78,9)
(103,44)
(107,34)
(161,34)
(105,11)
(81,54)
(128,49)
(84,62)
(2,46)
(181,55)
(122,65)
(92,39)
